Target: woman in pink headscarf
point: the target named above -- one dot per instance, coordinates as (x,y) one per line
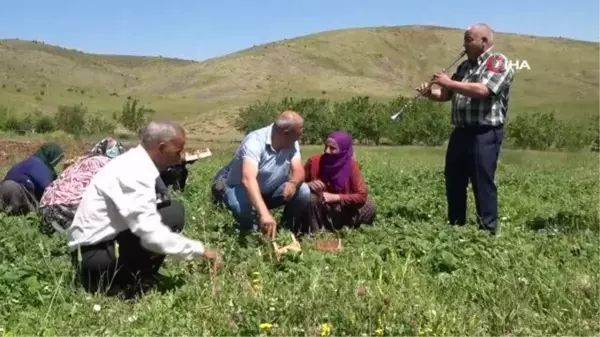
(339,196)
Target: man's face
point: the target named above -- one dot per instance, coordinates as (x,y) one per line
(474,44)
(293,136)
(169,153)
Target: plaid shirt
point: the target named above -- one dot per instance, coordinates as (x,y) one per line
(467,111)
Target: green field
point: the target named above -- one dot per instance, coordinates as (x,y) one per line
(416,275)
(381,62)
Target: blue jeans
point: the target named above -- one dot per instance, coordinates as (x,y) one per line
(237,201)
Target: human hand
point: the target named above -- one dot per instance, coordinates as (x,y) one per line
(316,186)
(288,190)
(441,79)
(268,225)
(213,256)
(424,89)
(329,198)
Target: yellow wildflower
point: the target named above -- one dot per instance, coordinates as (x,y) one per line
(265,326)
(325,329)
(379,331)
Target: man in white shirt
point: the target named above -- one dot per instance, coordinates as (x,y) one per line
(120,235)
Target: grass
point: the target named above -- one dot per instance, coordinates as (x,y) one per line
(381,62)
(409,274)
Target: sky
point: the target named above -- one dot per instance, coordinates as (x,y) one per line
(199,30)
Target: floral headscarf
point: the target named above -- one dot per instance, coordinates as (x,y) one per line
(108,147)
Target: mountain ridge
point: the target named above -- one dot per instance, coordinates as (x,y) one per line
(381,62)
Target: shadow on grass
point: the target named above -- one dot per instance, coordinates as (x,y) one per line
(564,222)
(168,283)
(410,214)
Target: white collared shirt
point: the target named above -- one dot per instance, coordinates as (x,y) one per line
(122,196)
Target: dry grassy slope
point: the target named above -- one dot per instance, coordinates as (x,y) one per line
(380,62)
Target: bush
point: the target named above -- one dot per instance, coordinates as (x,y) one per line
(595,133)
(132,116)
(368,121)
(44,124)
(423,122)
(71,118)
(96,124)
(542,130)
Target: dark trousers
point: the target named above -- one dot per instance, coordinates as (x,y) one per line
(175,176)
(472,155)
(122,265)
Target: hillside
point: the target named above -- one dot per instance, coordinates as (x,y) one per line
(379,62)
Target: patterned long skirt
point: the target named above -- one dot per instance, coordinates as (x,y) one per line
(56,218)
(334,217)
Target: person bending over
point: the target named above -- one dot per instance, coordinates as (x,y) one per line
(61,199)
(25,183)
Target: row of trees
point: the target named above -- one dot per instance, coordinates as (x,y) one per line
(423,123)
(76,120)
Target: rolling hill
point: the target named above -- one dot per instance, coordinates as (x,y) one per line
(381,62)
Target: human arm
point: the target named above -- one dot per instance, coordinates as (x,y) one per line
(41,177)
(439,94)
(250,183)
(314,184)
(491,80)
(161,188)
(475,90)
(298,174)
(358,190)
(135,199)
(251,152)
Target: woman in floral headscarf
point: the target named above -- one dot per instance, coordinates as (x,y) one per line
(339,196)
(24,184)
(61,199)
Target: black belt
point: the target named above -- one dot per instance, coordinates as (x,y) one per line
(478,127)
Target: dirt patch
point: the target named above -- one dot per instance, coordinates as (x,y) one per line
(12,151)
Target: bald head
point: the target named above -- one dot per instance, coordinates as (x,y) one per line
(478,38)
(483,30)
(288,120)
(288,127)
(161,131)
(164,141)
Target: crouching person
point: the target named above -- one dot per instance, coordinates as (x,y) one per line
(339,196)
(60,200)
(120,234)
(25,183)
(258,178)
